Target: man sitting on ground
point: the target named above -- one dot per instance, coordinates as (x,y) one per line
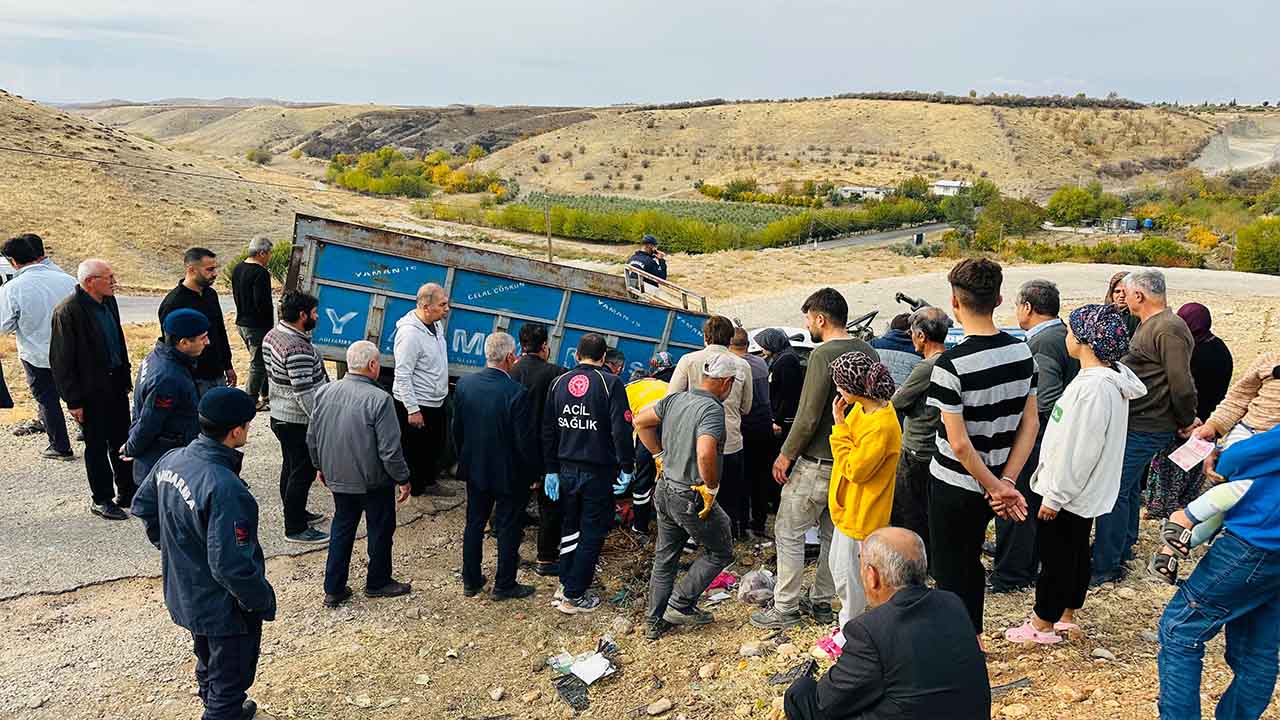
(883,672)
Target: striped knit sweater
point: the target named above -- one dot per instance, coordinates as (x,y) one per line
(295,372)
(1254,399)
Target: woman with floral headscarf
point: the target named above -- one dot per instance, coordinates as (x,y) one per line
(865,442)
(1079,470)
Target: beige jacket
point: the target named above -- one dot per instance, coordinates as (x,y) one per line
(688,375)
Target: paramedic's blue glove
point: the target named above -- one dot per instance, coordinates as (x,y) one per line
(551,484)
(624,482)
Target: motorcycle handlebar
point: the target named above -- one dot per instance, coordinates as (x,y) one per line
(915,303)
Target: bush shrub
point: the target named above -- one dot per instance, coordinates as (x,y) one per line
(1258,247)
(259,156)
(277,264)
(1154,250)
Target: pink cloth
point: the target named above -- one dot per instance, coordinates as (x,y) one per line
(724,581)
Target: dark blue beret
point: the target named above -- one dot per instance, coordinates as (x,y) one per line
(227,407)
(185,323)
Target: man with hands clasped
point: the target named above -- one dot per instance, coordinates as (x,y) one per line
(685,431)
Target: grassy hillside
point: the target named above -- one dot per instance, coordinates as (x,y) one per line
(157,122)
(1024,150)
(139,220)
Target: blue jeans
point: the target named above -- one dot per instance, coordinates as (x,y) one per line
(1117,531)
(586,501)
(1236,586)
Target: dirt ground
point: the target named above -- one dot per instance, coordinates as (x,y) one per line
(109,650)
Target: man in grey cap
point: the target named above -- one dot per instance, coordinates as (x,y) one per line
(685,432)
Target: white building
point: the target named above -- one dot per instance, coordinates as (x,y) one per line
(864,192)
(947,188)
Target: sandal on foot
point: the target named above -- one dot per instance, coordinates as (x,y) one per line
(1065,626)
(1164,567)
(1176,538)
(1026,633)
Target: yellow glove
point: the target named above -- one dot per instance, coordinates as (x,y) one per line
(708,498)
(657,464)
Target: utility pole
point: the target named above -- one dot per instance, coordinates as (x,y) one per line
(546,218)
(811,237)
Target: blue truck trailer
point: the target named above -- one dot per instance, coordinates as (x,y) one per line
(367,278)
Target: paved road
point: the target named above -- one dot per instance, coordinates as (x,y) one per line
(145,308)
(882,238)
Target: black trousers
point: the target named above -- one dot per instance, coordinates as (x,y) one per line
(43,391)
(958,520)
(760,448)
(549,519)
(1017,564)
(296,473)
(378,506)
(911,485)
(106,427)
(225,668)
(505,510)
(642,485)
(424,447)
(735,496)
(801,700)
(1065,564)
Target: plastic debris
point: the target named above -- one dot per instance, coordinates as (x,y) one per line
(756,587)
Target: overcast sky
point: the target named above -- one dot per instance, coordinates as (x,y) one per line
(612,51)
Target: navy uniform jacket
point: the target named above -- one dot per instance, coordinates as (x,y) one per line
(649,264)
(587,421)
(165,409)
(493,432)
(200,514)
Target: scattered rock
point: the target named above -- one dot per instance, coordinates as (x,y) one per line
(538,665)
(531,696)
(362,701)
(496,694)
(788,650)
(1150,636)
(620,626)
(657,707)
(709,671)
(451,653)
(1098,695)
(1127,593)
(422,679)
(1068,693)
(413,613)
(753,648)
(388,703)
(1016,710)
(1103,653)
(35,702)
(818,653)
(742,711)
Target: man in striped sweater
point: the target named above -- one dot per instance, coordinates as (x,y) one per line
(985,388)
(295,371)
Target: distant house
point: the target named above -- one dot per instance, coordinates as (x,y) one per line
(863,192)
(948,188)
(1121,225)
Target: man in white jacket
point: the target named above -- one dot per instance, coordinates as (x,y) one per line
(1079,469)
(420,386)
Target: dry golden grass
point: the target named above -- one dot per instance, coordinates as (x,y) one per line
(1024,150)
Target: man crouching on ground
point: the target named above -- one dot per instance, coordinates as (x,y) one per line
(201,516)
(692,437)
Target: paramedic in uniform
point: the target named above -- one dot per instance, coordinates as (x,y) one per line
(201,516)
(588,454)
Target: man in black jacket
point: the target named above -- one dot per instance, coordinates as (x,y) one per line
(90,364)
(649,258)
(251,288)
(912,655)
(213,367)
(586,441)
(534,372)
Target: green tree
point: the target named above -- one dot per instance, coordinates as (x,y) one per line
(958,210)
(1071,205)
(915,187)
(983,192)
(1258,247)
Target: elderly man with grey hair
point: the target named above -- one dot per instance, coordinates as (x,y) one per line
(928,326)
(881,671)
(495,442)
(1160,355)
(354,441)
(251,289)
(1016,562)
(420,386)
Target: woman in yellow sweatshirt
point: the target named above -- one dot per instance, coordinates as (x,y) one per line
(865,442)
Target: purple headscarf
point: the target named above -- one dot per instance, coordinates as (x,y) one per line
(1102,328)
(1198,321)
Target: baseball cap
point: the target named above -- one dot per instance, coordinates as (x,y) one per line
(719,367)
(650,240)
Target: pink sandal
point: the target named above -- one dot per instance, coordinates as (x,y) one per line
(1026,633)
(1065,627)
